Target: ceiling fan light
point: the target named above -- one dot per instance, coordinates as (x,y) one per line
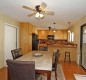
(37,15)
(41,15)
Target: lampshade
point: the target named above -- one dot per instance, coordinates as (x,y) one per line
(68,27)
(39,15)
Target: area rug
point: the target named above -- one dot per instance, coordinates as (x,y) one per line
(59,72)
(80,77)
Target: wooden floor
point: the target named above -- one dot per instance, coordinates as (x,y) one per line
(69,70)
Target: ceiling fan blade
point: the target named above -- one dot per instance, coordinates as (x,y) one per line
(28,8)
(31,14)
(43,5)
(49,12)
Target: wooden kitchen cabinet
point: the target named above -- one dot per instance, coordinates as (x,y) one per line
(30,28)
(26,30)
(35,30)
(42,34)
(24,39)
(59,34)
(64,49)
(66,34)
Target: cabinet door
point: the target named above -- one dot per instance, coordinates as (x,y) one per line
(24,37)
(42,34)
(61,34)
(65,34)
(30,42)
(57,35)
(35,30)
(30,28)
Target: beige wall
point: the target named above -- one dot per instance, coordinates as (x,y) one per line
(4,19)
(76,29)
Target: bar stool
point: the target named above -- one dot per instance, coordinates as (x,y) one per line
(67,57)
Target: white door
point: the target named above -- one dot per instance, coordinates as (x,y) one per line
(10,41)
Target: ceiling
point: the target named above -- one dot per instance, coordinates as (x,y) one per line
(65,11)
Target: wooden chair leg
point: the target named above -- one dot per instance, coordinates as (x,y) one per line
(56,75)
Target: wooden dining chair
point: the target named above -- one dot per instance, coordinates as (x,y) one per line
(22,70)
(53,58)
(57,54)
(16,53)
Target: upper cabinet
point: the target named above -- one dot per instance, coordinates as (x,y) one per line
(42,34)
(30,28)
(35,30)
(59,34)
(24,39)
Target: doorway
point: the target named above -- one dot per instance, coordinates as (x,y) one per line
(10,40)
(83,46)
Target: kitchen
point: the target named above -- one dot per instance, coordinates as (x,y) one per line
(17,16)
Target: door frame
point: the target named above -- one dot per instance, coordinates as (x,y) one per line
(81,41)
(17,37)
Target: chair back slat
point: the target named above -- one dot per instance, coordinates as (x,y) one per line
(16,53)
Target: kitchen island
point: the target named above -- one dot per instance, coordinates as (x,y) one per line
(62,47)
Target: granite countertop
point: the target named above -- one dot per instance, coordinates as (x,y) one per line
(57,45)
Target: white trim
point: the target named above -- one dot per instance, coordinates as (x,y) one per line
(10,25)
(6,24)
(17,30)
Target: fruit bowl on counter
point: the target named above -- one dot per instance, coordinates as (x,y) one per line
(37,54)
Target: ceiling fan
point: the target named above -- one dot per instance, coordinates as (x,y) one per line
(39,10)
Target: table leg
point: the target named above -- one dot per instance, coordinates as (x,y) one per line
(44,71)
(48,75)
(8,74)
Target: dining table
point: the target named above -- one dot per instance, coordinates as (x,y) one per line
(43,61)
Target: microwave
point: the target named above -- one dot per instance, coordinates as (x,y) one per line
(50,37)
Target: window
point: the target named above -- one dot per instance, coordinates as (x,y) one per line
(70,36)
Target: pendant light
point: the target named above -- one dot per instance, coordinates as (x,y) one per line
(54,27)
(49,28)
(69,27)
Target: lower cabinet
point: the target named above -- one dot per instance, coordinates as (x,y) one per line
(72,51)
(45,48)
(62,49)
